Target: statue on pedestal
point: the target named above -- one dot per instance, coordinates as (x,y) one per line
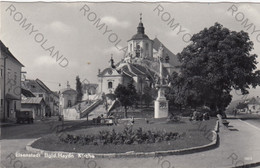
(161,109)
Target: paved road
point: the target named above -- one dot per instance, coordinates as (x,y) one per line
(238,145)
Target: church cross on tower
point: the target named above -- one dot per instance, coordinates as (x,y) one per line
(141,17)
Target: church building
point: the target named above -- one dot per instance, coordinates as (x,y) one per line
(140,66)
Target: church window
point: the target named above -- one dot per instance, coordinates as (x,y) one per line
(110,85)
(131,47)
(146,46)
(138,51)
(167,58)
(69,103)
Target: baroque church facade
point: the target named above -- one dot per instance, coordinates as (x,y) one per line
(140,66)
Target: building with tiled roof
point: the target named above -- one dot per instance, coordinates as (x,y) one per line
(36,105)
(140,66)
(10,84)
(39,89)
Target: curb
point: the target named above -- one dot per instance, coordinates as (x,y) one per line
(248,165)
(211,145)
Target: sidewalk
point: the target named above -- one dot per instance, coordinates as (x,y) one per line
(243,116)
(239,145)
(7,123)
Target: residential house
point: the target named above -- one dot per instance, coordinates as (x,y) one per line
(10,81)
(39,89)
(35,104)
(253,105)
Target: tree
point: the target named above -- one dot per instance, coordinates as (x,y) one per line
(241,105)
(217,61)
(147,95)
(79,89)
(126,95)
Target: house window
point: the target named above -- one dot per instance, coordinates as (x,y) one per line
(40,95)
(131,47)
(110,85)
(2,73)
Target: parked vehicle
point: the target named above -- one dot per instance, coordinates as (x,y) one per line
(24,116)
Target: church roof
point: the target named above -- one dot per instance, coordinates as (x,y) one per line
(140,32)
(139,36)
(105,71)
(174,61)
(136,70)
(62,91)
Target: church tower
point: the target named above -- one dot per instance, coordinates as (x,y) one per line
(140,46)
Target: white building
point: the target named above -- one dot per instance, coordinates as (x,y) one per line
(10,81)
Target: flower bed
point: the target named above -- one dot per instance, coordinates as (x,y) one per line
(127,136)
(190,134)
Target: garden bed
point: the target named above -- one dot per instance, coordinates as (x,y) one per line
(191,134)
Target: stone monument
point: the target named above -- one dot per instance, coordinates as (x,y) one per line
(161,108)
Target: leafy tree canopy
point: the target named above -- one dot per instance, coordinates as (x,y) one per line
(126,95)
(217,61)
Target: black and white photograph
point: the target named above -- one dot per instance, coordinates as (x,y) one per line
(137,84)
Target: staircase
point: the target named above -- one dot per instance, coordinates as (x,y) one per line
(97,112)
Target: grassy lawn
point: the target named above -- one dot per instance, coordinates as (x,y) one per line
(194,134)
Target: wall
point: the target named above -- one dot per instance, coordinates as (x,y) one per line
(13,87)
(71,114)
(142,43)
(114,77)
(65,97)
(1,86)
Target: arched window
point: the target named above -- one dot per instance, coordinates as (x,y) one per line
(146,46)
(110,85)
(131,47)
(69,103)
(138,48)
(167,58)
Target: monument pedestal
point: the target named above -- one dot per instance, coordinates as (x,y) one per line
(161,108)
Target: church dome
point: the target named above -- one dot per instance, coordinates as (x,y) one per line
(140,32)
(139,36)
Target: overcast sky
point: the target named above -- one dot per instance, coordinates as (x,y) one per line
(88,48)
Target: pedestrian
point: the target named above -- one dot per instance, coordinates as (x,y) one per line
(132,120)
(147,121)
(102,119)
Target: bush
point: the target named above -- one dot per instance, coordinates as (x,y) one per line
(127,136)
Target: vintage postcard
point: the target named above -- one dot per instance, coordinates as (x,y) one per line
(130,84)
